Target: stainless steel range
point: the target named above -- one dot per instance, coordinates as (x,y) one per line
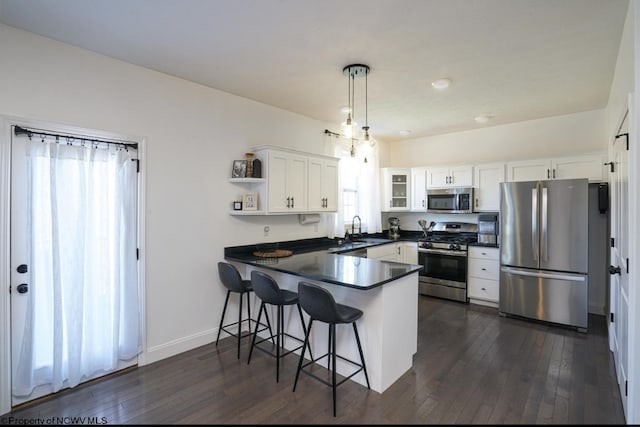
(443,254)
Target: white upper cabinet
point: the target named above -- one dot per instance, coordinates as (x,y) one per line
(396,189)
(323,185)
(591,167)
(296,182)
(419,189)
(286,182)
(487,179)
(447,177)
(586,166)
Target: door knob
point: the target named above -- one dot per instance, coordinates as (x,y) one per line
(614,270)
(23,288)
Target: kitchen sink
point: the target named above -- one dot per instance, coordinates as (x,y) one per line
(357,244)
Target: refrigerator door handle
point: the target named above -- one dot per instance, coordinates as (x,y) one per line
(545,247)
(571,278)
(534,223)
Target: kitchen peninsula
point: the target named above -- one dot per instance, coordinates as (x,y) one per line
(386,292)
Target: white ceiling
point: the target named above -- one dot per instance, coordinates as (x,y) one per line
(511,59)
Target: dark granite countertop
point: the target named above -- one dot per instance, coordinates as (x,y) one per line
(324,260)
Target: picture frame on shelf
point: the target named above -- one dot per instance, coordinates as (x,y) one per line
(250,201)
(239,169)
(237,205)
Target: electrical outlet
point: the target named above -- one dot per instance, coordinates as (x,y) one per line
(266,230)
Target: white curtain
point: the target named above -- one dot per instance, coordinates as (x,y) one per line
(83,308)
(365,165)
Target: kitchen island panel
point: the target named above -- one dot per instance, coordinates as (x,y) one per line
(388,328)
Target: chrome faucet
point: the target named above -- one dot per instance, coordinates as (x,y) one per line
(359,225)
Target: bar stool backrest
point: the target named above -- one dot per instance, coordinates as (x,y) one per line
(230,277)
(318,303)
(266,288)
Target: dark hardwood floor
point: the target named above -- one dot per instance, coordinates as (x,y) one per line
(472,367)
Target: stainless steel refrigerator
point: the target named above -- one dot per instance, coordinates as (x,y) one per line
(544,251)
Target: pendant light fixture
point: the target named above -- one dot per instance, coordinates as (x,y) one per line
(350,126)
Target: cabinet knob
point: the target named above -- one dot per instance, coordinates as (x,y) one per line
(484,269)
(484,289)
(476,202)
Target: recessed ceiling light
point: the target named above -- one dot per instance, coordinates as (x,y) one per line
(441,84)
(482,119)
(405,132)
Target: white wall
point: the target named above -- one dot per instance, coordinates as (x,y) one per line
(554,136)
(193,134)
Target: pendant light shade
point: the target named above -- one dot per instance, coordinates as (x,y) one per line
(350,129)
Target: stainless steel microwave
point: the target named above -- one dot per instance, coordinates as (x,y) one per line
(450,200)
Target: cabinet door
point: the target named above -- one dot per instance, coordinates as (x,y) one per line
(461,176)
(455,176)
(277,182)
(410,253)
(397,189)
(297,183)
(388,252)
(315,198)
(437,177)
(487,187)
(287,176)
(330,186)
(529,170)
(590,167)
(418,189)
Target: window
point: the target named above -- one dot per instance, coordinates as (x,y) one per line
(350,193)
(359,189)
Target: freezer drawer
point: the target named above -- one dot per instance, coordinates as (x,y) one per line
(553,297)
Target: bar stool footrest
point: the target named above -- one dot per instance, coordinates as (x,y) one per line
(322,380)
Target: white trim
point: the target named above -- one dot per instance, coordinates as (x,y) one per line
(5,232)
(5,301)
(180,345)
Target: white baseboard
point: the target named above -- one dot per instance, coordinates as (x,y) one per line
(593,309)
(180,345)
(482,302)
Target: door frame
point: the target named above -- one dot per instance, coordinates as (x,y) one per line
(5,233)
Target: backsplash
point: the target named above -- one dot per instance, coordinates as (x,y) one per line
(409,220)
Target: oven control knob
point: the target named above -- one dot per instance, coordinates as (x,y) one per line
(454,247)
(428,245)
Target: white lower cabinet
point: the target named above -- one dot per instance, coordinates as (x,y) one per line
(388,252)
(483,279)
(406,252)
(409,252)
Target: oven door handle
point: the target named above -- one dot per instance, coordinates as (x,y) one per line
(443,252)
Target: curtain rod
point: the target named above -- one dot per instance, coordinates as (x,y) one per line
(337,135)
(30,132)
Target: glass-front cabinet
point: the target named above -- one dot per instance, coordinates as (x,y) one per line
(397,189)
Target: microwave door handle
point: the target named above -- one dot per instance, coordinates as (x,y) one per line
(544,229)
(534,222)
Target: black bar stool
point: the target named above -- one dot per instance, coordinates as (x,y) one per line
(231,279)
(269,292)
(320,305)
